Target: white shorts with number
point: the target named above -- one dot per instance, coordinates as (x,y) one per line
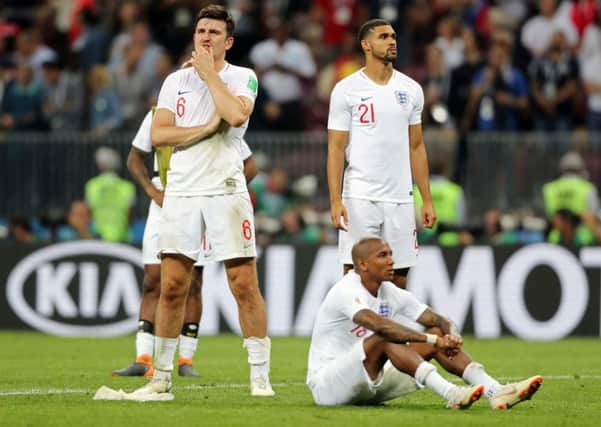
(226,221)
(394,222)
(150,242)
(344,381)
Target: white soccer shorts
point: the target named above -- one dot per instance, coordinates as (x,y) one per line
(394,222)
(344,381)
(226,221)
(150,241)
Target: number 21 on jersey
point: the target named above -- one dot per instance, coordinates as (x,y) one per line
(366,113)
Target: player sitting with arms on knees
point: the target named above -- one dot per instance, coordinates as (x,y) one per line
(360,355)
(154,188)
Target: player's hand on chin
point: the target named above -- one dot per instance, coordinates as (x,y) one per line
(203,62)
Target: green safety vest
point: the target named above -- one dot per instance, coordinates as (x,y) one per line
(568,192)
(445,195)
(110,198)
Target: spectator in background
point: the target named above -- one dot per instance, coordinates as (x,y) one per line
(105,109)
(591,40)
(336,17)
(282,65)
(128,13)
(581,14)
(110,197)
(538,31)
(493,231)
(172,22)
(163,67)
(499,92)
(273,195)
(462,76)
(79,223)
(574,192)
(132,86)
(91,43)
(554,85)
(569,229)
(450,41)
(20,230)
(294,229)
(590,72)
(436,87)
(7,76)
(349,60)
(23,102)
(65,97)
(31,50)
(140,40)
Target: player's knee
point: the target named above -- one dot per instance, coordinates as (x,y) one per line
(173,290)
(244,289)
(151,287)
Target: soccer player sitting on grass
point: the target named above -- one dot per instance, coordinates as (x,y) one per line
(360,355)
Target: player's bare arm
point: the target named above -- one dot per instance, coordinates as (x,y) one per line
(164,131)
(235,110)
(250,168)
(394,332)
(337,141)
(421,173)
(429,318)
(138,170)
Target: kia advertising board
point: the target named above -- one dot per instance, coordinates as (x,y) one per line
(92,288)
(84,288)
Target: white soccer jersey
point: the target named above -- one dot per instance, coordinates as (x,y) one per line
(377,118)
(334,332)
(213,166)
(142,141)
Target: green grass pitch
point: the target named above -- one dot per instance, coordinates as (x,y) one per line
(50,381)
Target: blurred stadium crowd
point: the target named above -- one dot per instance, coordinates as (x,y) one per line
(95,66)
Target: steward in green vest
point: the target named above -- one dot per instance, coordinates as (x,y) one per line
(110,198)
(449,204)
(572,192)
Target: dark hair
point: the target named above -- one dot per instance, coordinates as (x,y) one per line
(218,13)
(368,26)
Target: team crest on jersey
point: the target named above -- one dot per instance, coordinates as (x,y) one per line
(402,97)
(384,309)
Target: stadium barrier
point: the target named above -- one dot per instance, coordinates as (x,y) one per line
(92,288)
(47,171)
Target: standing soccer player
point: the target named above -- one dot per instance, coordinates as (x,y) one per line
(206,195)
(154,188)
(375,124)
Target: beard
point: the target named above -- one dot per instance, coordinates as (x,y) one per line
(387,58)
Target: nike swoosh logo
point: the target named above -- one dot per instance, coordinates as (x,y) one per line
(182,92)
(366,98)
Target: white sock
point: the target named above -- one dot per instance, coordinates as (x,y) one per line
(258,356)
(187,346)
(164,351)
(427,375)
(474,373)
(144,344)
